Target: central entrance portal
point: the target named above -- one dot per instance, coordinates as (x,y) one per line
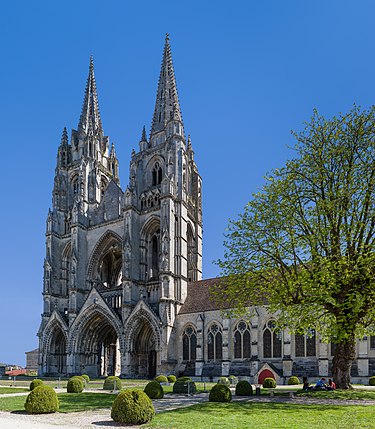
(98,348)
(144,355)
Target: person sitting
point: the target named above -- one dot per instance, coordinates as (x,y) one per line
(321,384)
(331,384)
(305,384)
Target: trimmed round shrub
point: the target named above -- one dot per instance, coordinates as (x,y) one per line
(161,379)
(35,383)
(172,378)
(154,390)
(132,407)
(371,381)
(109,383)
(42,400)
(293,380)
(269,383)
(233,379)
(244,388)
(86,378)
(224,380)
(184,379)
(184,385)
(220,393)
(75,385)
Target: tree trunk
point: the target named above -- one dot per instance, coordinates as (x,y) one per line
(342,363)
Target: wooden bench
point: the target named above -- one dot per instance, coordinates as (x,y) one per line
(291,392)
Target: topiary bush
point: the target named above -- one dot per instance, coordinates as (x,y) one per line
(371,381)
(75,385)
(86,378)
(35,383)
(244,388)
(42,400)
(109,383)
(184,385)
(132,407)
(269,383)
(154,390)
(293,380)
(220,393)
(233,379)
(161,379)
(172,378)
(224,380)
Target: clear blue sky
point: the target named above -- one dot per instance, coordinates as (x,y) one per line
(247,72)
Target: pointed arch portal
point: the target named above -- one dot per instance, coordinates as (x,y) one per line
(56,357)
(97,347)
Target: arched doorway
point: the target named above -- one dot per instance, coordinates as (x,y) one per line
(56,357)
(266,373)
(143,354)
(97,347)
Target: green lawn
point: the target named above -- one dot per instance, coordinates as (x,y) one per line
(237,415)
(350,394)
(69,402)
(6,390)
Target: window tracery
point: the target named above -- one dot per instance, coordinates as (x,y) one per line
(189,344)
(241,339)
(272,340)
(215,342)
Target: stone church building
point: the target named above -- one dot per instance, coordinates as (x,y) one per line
(123,290)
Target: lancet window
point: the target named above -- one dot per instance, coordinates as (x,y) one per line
(241,339)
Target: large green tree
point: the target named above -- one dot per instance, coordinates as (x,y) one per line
(306,242)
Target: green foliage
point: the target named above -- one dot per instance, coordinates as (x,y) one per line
(306,241)
(86,378)
(293,380)
(154,390)
(109,383)
(172,378)
(132,407)
(161,379)
(75,385)
(269,383)
(35,383)
(371,381)
(220,393)
(42,400)
(244,388)
(233,379)
(184,385)
(224,380)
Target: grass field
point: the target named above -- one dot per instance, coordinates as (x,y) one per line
(7,390)
(237,415)
(350,394)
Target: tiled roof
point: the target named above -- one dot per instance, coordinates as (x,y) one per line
(198,297)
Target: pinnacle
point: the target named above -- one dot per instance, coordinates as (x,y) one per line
(144,136)
(167,105)
(64,137)
(90,115)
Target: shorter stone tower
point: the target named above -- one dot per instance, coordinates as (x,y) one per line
(118,263)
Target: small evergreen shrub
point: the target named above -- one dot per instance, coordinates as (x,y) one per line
(42,400)
(244,388)
(172,378)
(132,407)
(293,380)
(35,383)
(269,383)
(220,393)
(233,379)
(154,390)
(224,380)
(75,385)
(371,381)
(161,379)
(86,378)
(184,385)
(109,383)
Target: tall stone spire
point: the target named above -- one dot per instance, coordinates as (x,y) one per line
(90,115)
(167,106)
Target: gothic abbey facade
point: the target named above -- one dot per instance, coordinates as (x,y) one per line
(123,290)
